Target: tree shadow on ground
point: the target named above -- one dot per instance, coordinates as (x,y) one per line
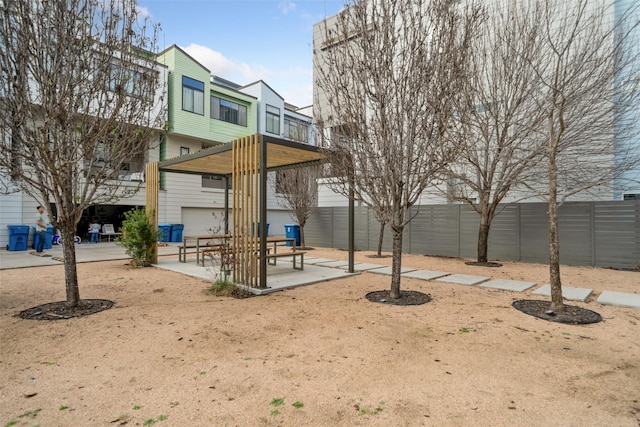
(570,314)
(406,298)
(483,264)
(60,310)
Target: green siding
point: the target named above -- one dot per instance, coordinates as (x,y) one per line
(196,125)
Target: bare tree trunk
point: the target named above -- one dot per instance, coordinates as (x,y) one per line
(396,265)
(381,238)
(483,233)
(70,272)
(554,245)
(302,243)
(554,257)
(483,240)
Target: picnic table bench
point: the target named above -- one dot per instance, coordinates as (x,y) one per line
(214,242)
(182,252)
(293,254)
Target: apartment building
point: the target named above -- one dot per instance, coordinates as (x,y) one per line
(619,139)
(206,111)
(129,78)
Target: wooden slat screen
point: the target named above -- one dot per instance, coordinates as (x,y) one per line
(152,179)
(245,209)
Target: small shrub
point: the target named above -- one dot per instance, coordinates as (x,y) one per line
(138,237)
(222,287)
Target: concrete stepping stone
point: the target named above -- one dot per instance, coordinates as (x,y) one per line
(387,270)
(314,261)
(365,266)
(463,279)
(622,299)
(336,264)
(425,274)
(508,285)
(568,293)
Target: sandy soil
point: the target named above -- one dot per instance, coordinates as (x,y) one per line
(320,355)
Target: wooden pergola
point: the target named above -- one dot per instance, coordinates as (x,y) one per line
(246,162)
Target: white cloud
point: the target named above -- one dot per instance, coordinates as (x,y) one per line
(228,68)
(298,95)
(286,7)
(143,13)
(292,83)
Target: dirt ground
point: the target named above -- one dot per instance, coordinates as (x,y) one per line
(319,355)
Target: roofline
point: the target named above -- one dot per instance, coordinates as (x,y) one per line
(175,46)
(264,83)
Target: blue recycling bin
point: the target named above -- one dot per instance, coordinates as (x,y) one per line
(165,232)
(18,237)
(253,226)
(176,232)
(48,239)
(292,230)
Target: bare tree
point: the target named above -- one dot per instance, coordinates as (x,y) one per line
(80,101)
(586,75)
(498,118)
(383,221)
(297,191)
(387,73)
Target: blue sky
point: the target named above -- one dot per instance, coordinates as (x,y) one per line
(247,40)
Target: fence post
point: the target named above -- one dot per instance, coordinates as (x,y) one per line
(518,231)
(459,232)
(592,232)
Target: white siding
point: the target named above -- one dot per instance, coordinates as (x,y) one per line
(11,209)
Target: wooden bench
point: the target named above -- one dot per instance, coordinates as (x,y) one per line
(216,247)
(182,252)
(294,254)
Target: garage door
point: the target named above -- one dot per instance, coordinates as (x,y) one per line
(203,221)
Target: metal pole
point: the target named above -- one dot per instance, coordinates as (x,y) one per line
(351,225)
(263,213)
(226,204)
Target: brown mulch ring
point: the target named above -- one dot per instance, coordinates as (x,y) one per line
(238,293)
(568,314)
(59,310)
(483,264)
(406,298)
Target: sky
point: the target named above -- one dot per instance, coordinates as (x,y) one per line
(246,40)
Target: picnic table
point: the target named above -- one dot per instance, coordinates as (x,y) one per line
(218,239)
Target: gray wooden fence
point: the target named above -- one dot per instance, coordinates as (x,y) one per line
(601,234)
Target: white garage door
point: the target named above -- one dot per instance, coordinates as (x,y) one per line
(203,220)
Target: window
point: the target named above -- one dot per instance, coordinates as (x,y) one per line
(296,130)
(228,111)
(273,120)
(184,150)
(213,181)
(125,80)
(192,95)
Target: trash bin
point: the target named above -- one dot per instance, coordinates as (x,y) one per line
(292,230)
(176,232)
(165,232)
(48,239)
(252,228)
(18,237)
